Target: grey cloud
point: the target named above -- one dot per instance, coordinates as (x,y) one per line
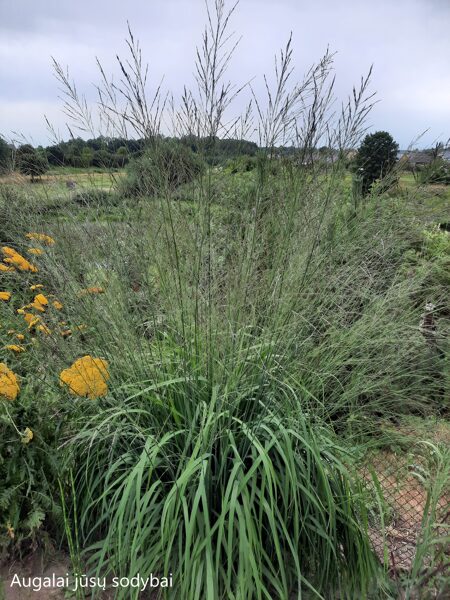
(407,41)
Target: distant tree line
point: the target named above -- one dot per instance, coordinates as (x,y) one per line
(216,151)
(99,152)
(374,160)
(110,153)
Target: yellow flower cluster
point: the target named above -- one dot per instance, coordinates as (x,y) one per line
(92,290)
(5,269)
(9,386)
(87,377)
(27,436)
(40,303)
(41,237)
(16,260)
(15,348)
(35,322)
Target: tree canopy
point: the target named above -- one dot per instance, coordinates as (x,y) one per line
(376,158)
(5,156)
(31,162)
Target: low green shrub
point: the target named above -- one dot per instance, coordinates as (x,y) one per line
(96,198)
(241,164)
(29,469)
(164,166)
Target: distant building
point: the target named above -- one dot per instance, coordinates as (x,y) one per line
(415,158)
(421,158)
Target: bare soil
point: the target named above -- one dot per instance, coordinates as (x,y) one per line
(406,497)
(34,566)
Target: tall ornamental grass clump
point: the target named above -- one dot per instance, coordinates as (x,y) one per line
(202,461)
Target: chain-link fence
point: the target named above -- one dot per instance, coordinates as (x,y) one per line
(409,521)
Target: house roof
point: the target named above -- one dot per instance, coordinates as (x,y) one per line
(419,158)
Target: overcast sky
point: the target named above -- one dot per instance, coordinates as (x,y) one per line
(408,42)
